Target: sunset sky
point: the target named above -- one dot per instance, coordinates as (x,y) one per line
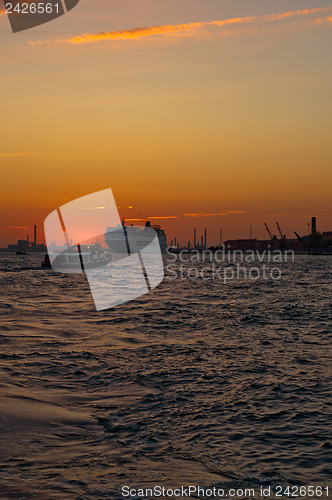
(198,113)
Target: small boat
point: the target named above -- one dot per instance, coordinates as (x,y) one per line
(46,262)
(72,260)
(21,252)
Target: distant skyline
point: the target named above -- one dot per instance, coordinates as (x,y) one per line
(182,228)
(216,108)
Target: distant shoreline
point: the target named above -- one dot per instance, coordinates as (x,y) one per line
(5,250)
(302,252)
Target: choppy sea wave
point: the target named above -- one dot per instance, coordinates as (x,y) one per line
(195,383)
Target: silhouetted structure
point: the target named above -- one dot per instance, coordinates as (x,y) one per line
(26,245)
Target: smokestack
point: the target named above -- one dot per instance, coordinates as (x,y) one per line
(221,237)
(194,238)
(205,238)
(27,238)
(201,240)
(35,235)
(175,241)
(313,225)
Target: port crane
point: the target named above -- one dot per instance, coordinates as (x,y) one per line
(282,236)
(270,234)
(298,236)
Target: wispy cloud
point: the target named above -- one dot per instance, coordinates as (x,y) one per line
(200,214)
(165,217)
(187,28)
(134,220)
(325,20)
(5,155)
(14,227)
(153,218)
(227,212)
(94,208)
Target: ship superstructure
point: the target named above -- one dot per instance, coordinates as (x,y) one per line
(132,239)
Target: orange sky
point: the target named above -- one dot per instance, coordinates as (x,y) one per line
(206,108)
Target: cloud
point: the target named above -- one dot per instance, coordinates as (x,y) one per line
(201,214)
(186,29)
(134,220)
(227,212)
(94,208)
(14,227)
(165,217)
(153,218)
(325,20)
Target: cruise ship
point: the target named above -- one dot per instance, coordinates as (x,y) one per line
(132,239)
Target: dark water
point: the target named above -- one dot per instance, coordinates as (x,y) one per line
(195,383)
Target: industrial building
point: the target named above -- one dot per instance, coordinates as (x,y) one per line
(314,240)
(27,245)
